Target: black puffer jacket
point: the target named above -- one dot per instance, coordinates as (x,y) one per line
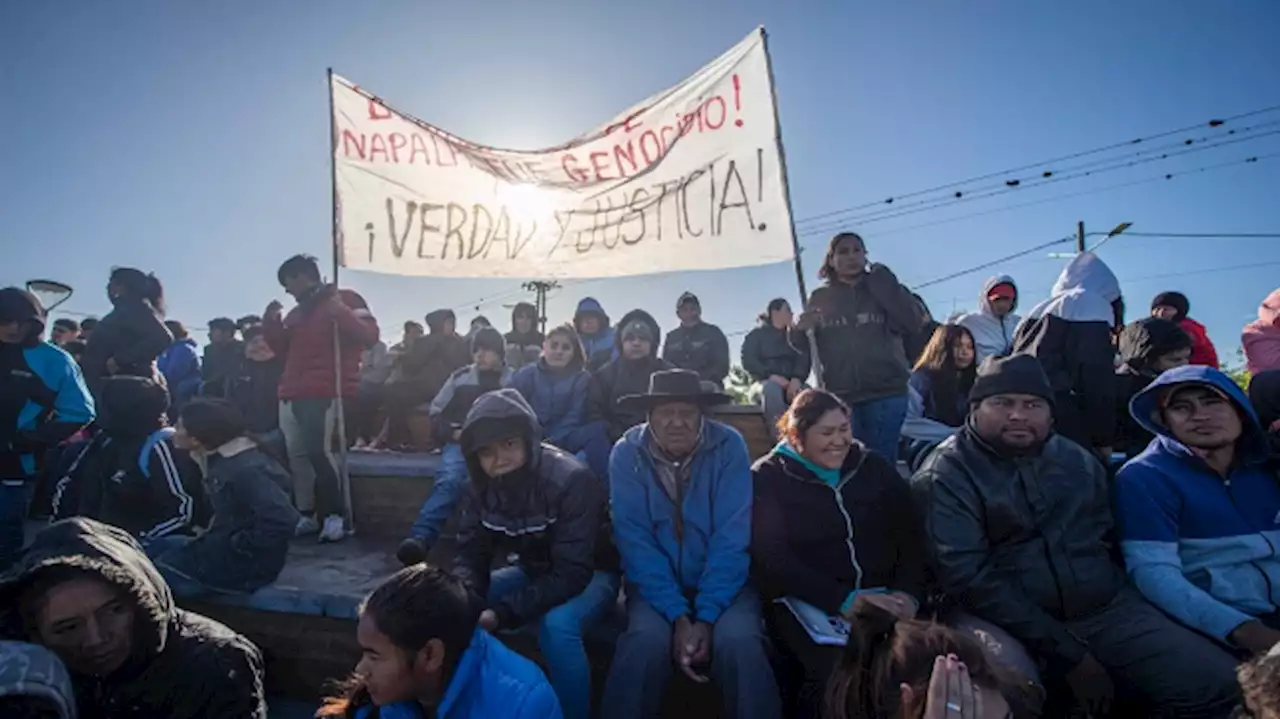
(133,333)
(860,336)
(184,666)
(1141,342)
(701,348)
(1022,542)
(768,350)
(621,377)
(552,513)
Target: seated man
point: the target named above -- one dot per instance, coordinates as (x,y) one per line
(1198,510)
(557,386)
(87,592)
(425,655)
(1020,521)
(628,374)
(1147,347)
(566,577)
(680,491)
(129,474)
(449,409)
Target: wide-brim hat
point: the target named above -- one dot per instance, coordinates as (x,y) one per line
(675,385)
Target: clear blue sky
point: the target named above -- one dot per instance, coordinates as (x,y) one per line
(189,139)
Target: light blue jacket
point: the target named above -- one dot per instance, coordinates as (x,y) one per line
(490,682)
(711,561)
(1201,547)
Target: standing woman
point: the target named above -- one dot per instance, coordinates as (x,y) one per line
(776,356)
(938,391)
(833,525)
(132,335)
(861,315)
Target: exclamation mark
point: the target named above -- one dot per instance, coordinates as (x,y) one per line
(737,98)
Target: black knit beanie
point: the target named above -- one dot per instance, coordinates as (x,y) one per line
(487,338)
(1018,374)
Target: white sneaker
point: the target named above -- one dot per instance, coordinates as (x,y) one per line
(307,524)
(334,529)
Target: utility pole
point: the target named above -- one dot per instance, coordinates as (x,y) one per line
(540,289)
(1080,237)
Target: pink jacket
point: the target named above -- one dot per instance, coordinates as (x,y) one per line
(1261,338)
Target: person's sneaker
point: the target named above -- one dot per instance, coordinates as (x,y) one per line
(412,551)
(307,524)
(334,529)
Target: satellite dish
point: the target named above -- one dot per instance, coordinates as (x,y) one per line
(50,293)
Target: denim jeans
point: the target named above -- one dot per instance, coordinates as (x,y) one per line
(179,584)
(560,633)
(642,664)
(15,500)
(451,480)
(878,422)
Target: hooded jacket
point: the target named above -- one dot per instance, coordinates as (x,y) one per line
(30,670)
(600,347)
(767,351)
(702,348)
(819,543)
(523,348)
(43,396)
(1200,546)
(183,665)
(180,366)
(685,558)
(452,404)
(621,377)
(992,336)
(432,359)
(305,339)
(253,520)
(559,398)
(860,336)
(551,513)
(1261,338)
(133,333)
(222,362)
(490,682)
(255,392)
(1070,333)
(1141,342)
(1021,541)
(129,474)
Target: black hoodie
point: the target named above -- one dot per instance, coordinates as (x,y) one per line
(133,333)
(1141,342)
(621,377)
(551,513)
(183,666)
(523,347)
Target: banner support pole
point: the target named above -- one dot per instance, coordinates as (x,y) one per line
(786,189)
(340,420)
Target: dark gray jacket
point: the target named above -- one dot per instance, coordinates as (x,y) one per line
(861,333)
(701,348)
(768,350)
(253,521)
(1026,543)
(551,513)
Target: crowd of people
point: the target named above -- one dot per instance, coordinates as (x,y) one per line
(1089,520)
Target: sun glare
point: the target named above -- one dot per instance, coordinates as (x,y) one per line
(528,201)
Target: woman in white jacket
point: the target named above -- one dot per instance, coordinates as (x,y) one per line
(994,323)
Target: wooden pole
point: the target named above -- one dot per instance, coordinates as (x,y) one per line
(344,477)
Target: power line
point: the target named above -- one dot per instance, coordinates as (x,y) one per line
(1042,163)
(1211,270)
(985,265)
(1208,235)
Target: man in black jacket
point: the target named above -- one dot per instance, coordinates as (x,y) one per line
(1021,525)
(87,592)
(1148,347)
(544,505)
(696,345)
(222,358)
(637,342)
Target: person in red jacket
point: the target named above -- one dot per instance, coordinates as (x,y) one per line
(1174,306)
(309,386)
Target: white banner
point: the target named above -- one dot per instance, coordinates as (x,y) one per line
(689,179)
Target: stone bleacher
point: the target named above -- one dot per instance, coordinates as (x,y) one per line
(305,621)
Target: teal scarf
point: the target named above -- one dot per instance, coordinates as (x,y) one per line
(830,477)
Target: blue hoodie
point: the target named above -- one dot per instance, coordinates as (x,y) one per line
(491,681)
(600,341)
(1200,547)
(712,560)
(180,366)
